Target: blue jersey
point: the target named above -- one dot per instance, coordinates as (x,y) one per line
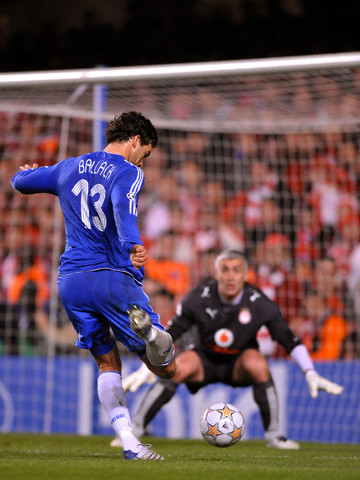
(99,195)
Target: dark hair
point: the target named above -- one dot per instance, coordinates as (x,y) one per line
(129,124)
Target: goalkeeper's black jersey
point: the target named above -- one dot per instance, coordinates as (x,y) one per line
(225,329)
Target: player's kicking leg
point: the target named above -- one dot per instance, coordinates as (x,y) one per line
(159,344)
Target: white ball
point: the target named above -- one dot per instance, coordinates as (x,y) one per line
(222,425)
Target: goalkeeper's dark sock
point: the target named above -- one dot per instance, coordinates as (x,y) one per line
(265,395)
(158,395)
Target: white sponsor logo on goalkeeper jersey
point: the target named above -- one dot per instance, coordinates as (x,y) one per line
(244,316)
(224,337)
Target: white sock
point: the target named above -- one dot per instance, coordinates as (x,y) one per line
(112,397)
(159,347)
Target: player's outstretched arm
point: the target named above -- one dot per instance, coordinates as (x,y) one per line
(135,380)
(316,382)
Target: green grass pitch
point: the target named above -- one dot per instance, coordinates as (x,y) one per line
(55,457)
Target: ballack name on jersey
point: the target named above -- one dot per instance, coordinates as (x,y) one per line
(101,168)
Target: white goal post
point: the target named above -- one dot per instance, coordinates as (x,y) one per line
(253,154)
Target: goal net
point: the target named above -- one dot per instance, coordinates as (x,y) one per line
(262,156)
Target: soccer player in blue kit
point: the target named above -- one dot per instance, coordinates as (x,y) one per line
(101,270)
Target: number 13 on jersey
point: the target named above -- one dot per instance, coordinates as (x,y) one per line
(82,187)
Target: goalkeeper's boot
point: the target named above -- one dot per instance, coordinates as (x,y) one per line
(145,454)
(138,430)
(116,442)
(283,443)
(139,321)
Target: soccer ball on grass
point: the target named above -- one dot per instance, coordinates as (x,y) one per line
(222,425)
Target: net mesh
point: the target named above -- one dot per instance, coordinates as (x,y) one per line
(265,163)
(268,102)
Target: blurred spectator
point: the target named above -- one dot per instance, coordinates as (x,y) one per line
(163,303)
(205,265)
(26,288)
(190,178)
(212,106)
(345,250)
(302,102)
(181,105)
(265,184)
(330,193)
(156,218)
(346,254)
(207,235)
(350,348)
(269,223)
(300,147)
(275,266)
(231,232)
(349,159)
(275,279)
(163,266)
(185,251)
(61,334)
(321,330)
(327,282)
(307,237)
(246,150)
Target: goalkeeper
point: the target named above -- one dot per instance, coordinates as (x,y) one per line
(228,312)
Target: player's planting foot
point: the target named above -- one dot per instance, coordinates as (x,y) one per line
(283,443)
(139,321)
(144,454)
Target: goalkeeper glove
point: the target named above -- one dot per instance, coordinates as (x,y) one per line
(316,382)
(134,381)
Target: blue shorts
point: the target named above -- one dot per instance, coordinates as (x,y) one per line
(96,302)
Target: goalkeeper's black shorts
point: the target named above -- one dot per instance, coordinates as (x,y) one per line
(217,369)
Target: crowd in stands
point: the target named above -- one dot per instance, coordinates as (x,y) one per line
(290,201)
